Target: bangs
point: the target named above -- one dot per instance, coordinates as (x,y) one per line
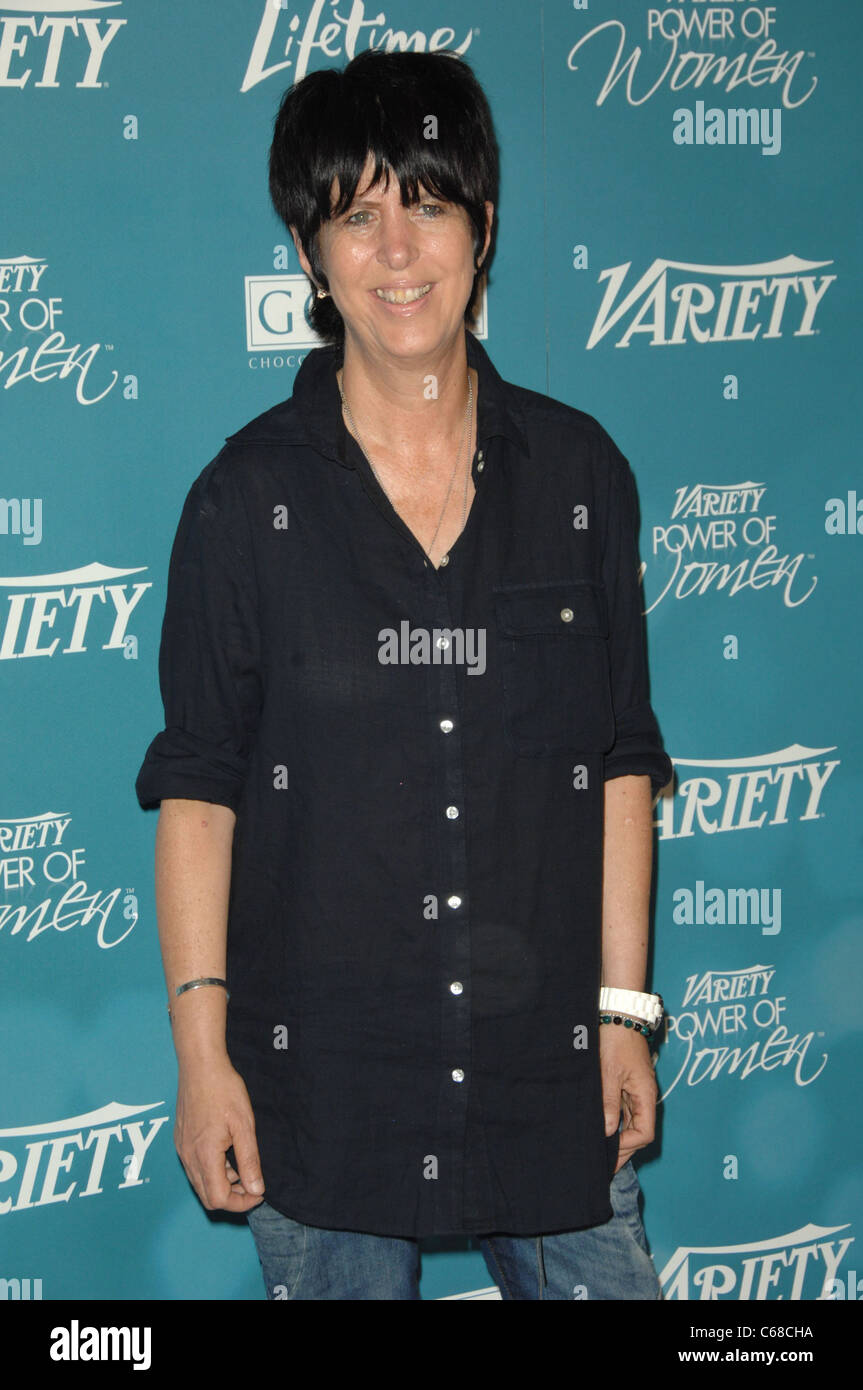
(422,118)
(421,142)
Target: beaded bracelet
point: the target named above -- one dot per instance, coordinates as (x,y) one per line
(627,1023)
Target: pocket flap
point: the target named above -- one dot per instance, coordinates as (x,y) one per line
(523,609)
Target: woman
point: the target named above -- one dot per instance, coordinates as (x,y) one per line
(410,883)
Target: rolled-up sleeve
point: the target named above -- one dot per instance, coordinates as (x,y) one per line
(638,747)
(209,655)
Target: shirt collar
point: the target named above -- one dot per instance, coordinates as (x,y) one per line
(318,418)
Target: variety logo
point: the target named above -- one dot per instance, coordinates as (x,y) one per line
(746,793)
(800,1265)
(724,518)
(280,45)
(48,42)
(768,296)
(736,1004)
(277,319)
(105,1147)
(24,307)
(34,860)
(83,594)
(491,1293)
(677,55)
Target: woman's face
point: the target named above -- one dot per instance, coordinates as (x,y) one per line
(400,277)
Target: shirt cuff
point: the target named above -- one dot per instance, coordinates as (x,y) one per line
(638,750)
(179,764)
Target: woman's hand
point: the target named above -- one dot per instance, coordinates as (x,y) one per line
(214,1113)
(628,1084)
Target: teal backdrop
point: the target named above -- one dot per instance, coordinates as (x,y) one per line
(678,256)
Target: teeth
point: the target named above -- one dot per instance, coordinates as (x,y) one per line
(402,296)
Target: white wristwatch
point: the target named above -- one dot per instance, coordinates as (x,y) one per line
(647,1007)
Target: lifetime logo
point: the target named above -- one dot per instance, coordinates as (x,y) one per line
(336,34)
(102,1146)
(48,41)
(768,296)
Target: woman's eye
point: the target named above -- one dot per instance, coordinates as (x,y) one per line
(430,211)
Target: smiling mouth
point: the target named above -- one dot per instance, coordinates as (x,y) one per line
(403,296)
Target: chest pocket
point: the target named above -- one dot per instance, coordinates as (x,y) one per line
(553,653)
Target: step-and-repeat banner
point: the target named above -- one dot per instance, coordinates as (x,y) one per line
(677,256)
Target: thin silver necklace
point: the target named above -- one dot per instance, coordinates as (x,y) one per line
(444,560)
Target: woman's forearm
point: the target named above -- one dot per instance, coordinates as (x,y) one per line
(627,869)
(194,841)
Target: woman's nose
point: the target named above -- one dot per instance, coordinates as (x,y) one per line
(397,238)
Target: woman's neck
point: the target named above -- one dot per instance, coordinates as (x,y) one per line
(403,410)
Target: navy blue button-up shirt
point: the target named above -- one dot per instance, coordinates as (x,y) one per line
(416,758)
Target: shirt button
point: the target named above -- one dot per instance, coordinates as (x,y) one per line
(456,987)
(444,560)
(458,1074)
(447,726)
(453,901)
(442,642)
(567,614)
(452,812)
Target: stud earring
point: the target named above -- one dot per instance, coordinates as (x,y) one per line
(322,294)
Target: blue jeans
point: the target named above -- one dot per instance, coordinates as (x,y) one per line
(599,1262)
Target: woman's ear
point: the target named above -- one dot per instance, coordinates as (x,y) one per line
(296,240)
(305,263)
(489,219)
